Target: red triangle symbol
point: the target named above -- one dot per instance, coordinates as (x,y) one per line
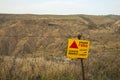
(74,45)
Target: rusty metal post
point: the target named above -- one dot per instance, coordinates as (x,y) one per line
(82,65)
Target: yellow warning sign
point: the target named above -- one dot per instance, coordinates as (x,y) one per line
(77,48)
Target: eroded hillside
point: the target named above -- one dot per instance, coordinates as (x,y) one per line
(47,34)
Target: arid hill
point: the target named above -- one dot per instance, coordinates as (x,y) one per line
(48,34)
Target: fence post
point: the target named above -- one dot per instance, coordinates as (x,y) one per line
(82,65)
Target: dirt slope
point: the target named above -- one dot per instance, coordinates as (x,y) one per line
(48,34)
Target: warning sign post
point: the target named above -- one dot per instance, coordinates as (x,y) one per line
(77,48)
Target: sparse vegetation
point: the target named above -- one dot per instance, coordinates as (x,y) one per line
(33,47)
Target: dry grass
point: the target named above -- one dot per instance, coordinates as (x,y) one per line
(37,69)
(42,40)
(99,66)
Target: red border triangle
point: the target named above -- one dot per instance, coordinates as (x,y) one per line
(74,45)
